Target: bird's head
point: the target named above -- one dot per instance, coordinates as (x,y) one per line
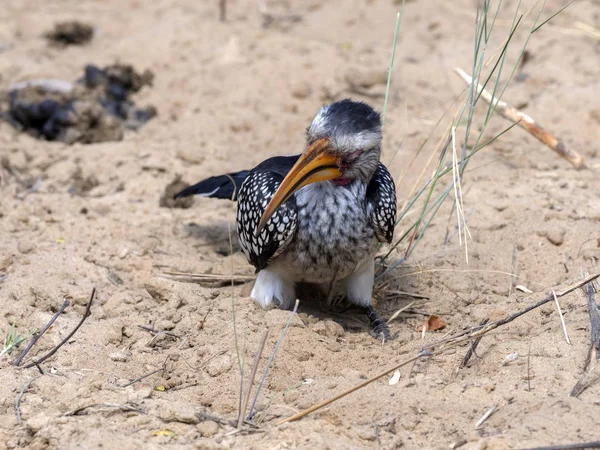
(343,145)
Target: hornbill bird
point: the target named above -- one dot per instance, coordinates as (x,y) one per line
(317,217)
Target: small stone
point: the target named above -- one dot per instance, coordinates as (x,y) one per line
(556,235)
(139,392)
(159,289)
(179,412)
(219,365)
(366,78)
(301,90)
(37,422)
(120,356)
(25,247)
(328,328)
(190,155)
(208,428)
(367,433)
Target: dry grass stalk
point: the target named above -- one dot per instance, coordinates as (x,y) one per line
(86,314)
(526,122)
(562,319)
(591,364)
(440,347)
(37,336)
(207,278)
(259,351)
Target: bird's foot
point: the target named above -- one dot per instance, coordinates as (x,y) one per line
(379,330)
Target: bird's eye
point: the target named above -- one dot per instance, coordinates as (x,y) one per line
(355,155)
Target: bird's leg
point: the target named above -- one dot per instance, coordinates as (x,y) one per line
(379,330)
(271,290)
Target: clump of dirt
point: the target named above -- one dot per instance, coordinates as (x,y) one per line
(168,200)
(70,33)
(97,109)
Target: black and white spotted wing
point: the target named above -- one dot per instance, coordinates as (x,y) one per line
(381,204)
(255,194)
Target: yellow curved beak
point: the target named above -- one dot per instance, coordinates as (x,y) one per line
(317,163)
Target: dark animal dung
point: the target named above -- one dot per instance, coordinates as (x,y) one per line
(70,33)
(95,109)
(168,200)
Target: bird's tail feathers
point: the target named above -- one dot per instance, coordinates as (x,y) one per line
(222,186)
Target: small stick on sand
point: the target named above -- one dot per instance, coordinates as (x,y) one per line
(472,348)
(513,266)
(124,407)
(594,318)
(586,378)
(86,314)
(37,336)
(526,122)
(138,379)
(20,396)
(261,346)
(486,416)
(271,358)
(581,446)
(562,319)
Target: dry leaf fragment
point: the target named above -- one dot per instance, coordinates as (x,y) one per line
(433,323)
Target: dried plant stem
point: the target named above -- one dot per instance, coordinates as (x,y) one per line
(37,336)
(271,358)
(86,314)
(526,122)
(562,319)
(24,389)
(580,446)
(259,351)
(594,318)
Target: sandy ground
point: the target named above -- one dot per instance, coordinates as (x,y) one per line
(228,96)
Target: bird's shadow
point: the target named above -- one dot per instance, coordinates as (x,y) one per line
(220,236)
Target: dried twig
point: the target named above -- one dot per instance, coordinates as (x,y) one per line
(581,446)
(562,319)
(207,278)
(526,122)
(472,347)
(135,380)
(259,351)
(125,407)
(37,336)
(586,378)
(271,358)
(20,396)
(69,336)
(594,318)
(157,332)
(513,266)
(486,416)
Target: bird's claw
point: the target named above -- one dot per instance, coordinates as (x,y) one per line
(379,329)
(382,333)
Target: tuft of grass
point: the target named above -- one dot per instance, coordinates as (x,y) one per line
(453,158)
(12,340)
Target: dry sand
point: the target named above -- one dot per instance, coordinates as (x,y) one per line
(228,96)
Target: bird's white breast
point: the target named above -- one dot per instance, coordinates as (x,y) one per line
(334,237)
